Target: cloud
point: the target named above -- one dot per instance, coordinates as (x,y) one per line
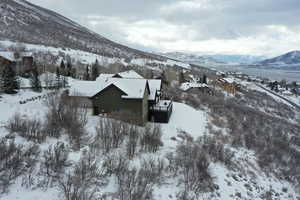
(254,27)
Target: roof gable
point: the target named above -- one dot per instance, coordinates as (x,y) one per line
(107,88)
(128,74)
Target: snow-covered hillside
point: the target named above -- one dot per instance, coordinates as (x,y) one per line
(243,179)
(41,52)
(25,22)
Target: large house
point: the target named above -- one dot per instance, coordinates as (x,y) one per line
(22,65)
(227,84)
(125,92)
(6,61)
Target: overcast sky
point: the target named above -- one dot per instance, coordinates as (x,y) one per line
(255,27)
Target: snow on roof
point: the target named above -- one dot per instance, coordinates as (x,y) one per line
(228,80)
(101,76)
(8,55)
(188,85)
(129,74)
(134,88)
(84,88)
(126,74)
(154,85)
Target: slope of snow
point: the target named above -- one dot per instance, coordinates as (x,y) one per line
(184,119)
(87,57)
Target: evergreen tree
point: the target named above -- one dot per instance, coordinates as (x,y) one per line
(164,78)
(58,78)
(62,68)
(35,80)
(69,69)
(95,71)
(9,81)
(87,73)
(73,73)
(181,78)
(204,79)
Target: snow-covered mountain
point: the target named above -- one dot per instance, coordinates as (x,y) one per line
(290,58)
(214,58)
(192,58)
(246,59)
(21,21)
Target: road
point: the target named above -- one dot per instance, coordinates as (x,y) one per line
(283,98)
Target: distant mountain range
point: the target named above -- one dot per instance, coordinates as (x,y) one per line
(291,58)
(191,58)
(288,61)
(213,59)
(245,59)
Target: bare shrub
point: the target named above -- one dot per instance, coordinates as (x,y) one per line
(193,164)
(66,113)
(85,180)
(55,160)
(15,160)
(15,124)
(109,134)
(31,129)
(74,118)
(151,139)
(115,164)
(216,150)
(131,145)
(135,184)
(54,125)
(31,159)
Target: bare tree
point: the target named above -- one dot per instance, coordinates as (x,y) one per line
(151,139)
(85,180)
(131,146)
(55,160)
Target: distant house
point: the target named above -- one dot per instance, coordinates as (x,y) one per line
(4,61)
(112,94)
(192,86)
(22,65)
(227,84)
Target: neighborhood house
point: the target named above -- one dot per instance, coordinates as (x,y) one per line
(126,92)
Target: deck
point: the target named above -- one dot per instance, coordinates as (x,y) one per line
(161,112)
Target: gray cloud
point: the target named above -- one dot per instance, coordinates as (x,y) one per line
(257,27)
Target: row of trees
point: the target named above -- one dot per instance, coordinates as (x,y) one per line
(10,80)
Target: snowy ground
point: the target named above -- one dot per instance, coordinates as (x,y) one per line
(184,119)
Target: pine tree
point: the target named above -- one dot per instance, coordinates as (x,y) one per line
(9,81)
(69,69)
(35,80)
(204,79)
(87,73)
(62,68)
(95,71)
(58,79)
(181,78)
(164,78)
